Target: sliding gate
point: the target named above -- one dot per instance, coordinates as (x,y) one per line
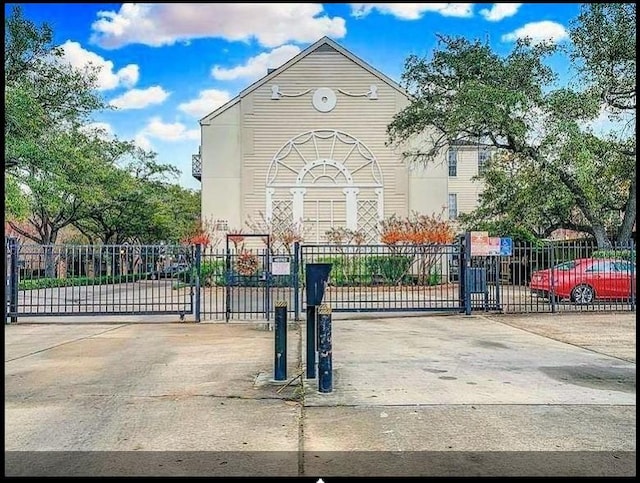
(383,278)
(98,280)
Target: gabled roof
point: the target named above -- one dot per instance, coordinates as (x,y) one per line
(312,48)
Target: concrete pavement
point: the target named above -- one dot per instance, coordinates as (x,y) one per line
(429,395)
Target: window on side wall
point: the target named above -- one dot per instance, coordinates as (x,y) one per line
(483,157)
(453,162)
(453,206)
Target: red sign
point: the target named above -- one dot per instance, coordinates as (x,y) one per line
(479,243)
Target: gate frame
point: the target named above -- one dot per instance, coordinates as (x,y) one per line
(228,273)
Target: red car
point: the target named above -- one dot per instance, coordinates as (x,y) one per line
(586,279)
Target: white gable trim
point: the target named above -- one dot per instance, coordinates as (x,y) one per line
(323,41)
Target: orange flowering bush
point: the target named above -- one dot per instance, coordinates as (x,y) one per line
(417,229)
(422,237)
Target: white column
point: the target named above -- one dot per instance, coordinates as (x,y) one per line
(269,203)
(298,204)
(352,207)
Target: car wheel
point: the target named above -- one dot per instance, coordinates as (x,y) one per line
(153,277)
(582,294)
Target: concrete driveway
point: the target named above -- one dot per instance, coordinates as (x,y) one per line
(431,396)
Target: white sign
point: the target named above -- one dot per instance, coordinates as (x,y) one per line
(280,266)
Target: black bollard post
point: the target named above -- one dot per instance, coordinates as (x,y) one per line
(280,356)
(311,341)
(325,356)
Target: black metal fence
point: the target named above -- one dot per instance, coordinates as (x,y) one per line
(565,276)
(378,278)
(54,280)
(246,283)
(205,283)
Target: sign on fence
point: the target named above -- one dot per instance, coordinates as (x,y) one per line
(506,247)
(482,245)
(280,265)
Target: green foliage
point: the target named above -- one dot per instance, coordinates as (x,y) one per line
(549,169)
(60,172)
(393,269)
(212,272)
(348,270)
(617,254)
(31,284)
(518,230)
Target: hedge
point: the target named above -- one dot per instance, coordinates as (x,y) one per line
(619,254)
(32,284)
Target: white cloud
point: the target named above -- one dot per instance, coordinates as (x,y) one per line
(103,130)
(143,142)
(538,32)
(608,123)
(257,66)
(207,101)
(499,11)
(412,11)
(107,77)
(271,24)
(140,98)
(171,132)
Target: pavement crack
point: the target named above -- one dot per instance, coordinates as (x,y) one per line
(187,395)
(65,343)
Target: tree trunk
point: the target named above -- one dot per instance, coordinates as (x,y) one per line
(49,262)
(629,220)
(601,237)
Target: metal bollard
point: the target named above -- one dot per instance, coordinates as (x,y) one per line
(280,356)
(325,365)
(311,341)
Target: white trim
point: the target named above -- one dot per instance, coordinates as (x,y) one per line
(323,41)
(298,203)
(380,194)
(344,138)
(269,203)
(351,195)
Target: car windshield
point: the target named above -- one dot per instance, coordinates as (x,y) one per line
(627,267)
(566,265)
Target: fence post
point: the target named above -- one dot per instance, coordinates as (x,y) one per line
(280,355)
(498,282)
(461,273)
(467,265)
(227,284)
(311,342)
(198,283)
(325,354)
(552,295)
(632,262)
(296,281)
(13,282)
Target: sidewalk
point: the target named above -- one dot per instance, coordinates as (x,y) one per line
(432,396)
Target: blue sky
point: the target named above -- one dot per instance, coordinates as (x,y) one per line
(165,66)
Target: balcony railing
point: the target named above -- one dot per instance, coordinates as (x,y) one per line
(196,166)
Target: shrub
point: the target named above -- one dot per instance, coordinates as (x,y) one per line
(393,269)
(348,270)
(212,272)
(619,254)
(33,284)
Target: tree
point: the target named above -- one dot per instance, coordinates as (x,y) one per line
(608,66)
(131,203)
(61,193)
(48,156)
(565,174)
(41,91)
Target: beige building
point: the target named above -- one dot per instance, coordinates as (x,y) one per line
(307,143)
